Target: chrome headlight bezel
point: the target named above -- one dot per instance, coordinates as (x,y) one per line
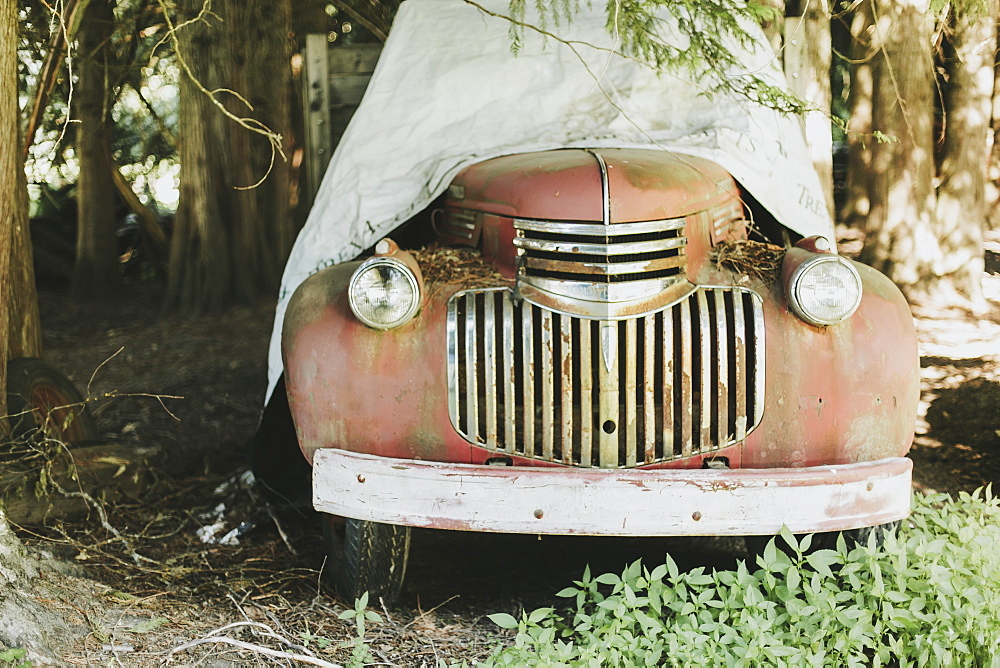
(797,285)
(354,293)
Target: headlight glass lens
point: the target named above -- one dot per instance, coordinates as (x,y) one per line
(384,293)
(825,290)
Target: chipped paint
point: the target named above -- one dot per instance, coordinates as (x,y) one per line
(627,503)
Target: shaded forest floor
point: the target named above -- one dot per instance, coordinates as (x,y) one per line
(185,394)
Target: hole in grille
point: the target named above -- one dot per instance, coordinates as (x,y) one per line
(684,381)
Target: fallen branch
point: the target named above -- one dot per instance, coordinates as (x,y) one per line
(226,640)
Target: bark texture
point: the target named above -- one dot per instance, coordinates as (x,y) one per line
(9,160)
(20,332)
(859,127)
(96,270)
(230,243)
(901,234)
(961,205)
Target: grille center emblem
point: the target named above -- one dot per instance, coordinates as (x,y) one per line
(609,345)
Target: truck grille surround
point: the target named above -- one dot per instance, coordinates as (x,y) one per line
(526,381)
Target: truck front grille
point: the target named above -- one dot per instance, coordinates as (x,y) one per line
(599,253)
(683,381)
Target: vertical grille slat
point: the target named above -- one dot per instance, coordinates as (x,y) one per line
(546,367)
(608,395)
(471,373)
(586,368)
(568,396)
(667,384)
(725,383)
(629,377)
(528,382)
(648,389)
(490,367)
(509,377)
(739,389)
(706,359)
(685,405)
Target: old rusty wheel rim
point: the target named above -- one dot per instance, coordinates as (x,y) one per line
(55,414)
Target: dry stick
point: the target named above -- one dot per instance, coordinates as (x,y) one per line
(424,613)
(281,530)
(226,640)
(100,366)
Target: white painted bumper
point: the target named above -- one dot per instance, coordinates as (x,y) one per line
(664,502)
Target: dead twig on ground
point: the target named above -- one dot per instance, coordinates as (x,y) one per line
(264,630)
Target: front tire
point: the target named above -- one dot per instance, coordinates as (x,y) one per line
(365,556)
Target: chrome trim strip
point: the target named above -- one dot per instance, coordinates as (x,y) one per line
(592,230)
(617,269)
(605,187)
(587,294)
(572,248)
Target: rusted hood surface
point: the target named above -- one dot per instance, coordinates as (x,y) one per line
(567,185)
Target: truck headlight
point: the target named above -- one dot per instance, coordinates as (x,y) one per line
(824,290)
(384,293)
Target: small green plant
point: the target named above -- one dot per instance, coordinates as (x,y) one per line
(13,658)
(309,638)
(360,653)
(929,596)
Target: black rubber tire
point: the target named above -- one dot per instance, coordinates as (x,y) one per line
(822,541)
(366,556)
(39,396)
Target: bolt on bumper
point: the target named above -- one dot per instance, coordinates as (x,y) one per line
(610,502)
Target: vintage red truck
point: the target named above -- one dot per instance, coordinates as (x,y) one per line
(616,340)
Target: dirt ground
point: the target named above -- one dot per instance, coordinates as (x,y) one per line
(144,588)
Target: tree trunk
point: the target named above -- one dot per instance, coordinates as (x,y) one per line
(230,243)
(774,27)
(993,185)
(20,332)
(902,238)
(96,271)
(961,206)
(859,127)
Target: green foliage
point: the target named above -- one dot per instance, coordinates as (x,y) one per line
(13,657)
(703,49)
(930,596)
(360,654)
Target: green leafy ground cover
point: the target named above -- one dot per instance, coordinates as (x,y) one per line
(928,596)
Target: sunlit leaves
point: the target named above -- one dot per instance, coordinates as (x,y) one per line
(701,46)
(930,596)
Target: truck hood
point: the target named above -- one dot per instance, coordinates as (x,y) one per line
(448,93)
(566,185)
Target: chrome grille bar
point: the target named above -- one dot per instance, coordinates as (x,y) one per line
(684,381)
(619,252)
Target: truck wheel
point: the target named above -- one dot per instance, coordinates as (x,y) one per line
(366,556)
(823,541)
(39,396)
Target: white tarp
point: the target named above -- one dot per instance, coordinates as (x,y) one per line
(448,92)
